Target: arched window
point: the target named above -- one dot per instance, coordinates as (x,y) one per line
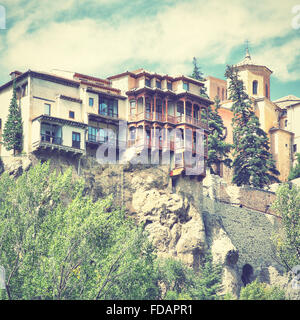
(254,87)
(267,91)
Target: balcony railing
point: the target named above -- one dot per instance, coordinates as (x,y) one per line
(48,141)
(51,139)
(156,116)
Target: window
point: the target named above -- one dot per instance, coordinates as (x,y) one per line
(71,114)
(147,82)
(91,102)
(51,133)
(285,123)
(186,86)
(294,148)
(218,92)
(47,109)
(132,107)
(267,91)
(158,84)
(222,94)
(97,135)
(254,87)
(169,85)
(108,107)
(76,140)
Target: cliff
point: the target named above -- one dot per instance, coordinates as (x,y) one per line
(187,218)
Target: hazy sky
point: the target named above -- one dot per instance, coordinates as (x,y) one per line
(105,37)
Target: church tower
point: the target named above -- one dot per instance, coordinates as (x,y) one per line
(256,78)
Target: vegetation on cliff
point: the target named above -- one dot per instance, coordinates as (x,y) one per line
(57,243)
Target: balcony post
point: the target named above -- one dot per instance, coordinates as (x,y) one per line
(167,109)
(184,109)
(193,113)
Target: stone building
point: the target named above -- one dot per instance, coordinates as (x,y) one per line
(277,118)
(73,114)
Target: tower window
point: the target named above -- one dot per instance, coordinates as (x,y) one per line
(267,91)
(254,87)
(294,148)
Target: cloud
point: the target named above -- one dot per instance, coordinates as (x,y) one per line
(103,44)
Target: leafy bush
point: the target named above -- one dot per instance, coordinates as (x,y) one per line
(184,283)
(295,172)
(261,291)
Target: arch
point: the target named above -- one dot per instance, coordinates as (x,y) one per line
(247,273)
(254,87)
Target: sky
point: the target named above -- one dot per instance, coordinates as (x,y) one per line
(106,37)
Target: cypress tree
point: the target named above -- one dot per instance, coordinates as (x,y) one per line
(253,164)
(198,75)
(218,149)
(13,128)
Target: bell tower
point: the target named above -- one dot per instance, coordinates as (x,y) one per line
(256,77)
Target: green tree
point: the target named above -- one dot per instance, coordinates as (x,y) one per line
(295,172)
(218,149)
(261,291)
(287,205)
(183,283)
(198,75)
(252,164)
(56,243)
(13,128)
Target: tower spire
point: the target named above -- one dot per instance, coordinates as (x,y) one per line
(247,49)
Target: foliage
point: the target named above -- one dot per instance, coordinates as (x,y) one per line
(56,243)
(198,75)
(287,205)
(218,149)
(1,166)
(253,164)
(182,283)
(295,172)
(261,291)
(13,128)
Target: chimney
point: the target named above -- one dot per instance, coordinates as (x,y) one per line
(15,74)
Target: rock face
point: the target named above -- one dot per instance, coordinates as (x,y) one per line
(186,218)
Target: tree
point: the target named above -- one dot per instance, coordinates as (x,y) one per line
(183,283)
(253,164)
(218,149)
(198,75)
(287,205)
(261,291)
(295,172)
(13,128)
(56,243)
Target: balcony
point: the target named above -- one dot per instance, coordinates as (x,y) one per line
(156,116)
(48,142)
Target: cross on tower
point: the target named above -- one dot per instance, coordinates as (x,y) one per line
(247,48)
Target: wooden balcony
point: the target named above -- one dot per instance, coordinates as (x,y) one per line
(156,116)
(49,143)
